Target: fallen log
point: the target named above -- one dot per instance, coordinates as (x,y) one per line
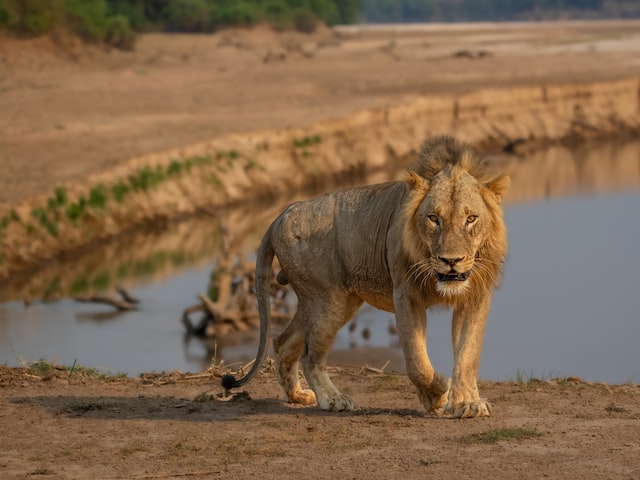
(111,301)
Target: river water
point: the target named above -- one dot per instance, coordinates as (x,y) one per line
(566,307)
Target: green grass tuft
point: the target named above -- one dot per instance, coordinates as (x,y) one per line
(40,214)
(75,210)
(97,197)
(307,141)
(175,168)
(501,434)
(119,191)
(42,471)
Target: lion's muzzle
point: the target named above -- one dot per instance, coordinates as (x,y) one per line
(453,276)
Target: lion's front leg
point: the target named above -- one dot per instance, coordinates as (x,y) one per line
(467,332)
(412,329)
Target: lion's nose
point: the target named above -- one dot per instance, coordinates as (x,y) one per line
(451,261)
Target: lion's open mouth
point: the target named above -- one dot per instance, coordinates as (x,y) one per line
(453,277)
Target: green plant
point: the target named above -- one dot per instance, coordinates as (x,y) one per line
(175,168)
(146,178)
(75,210)
(97,197)
(304,20)
(203,397)
(101,281)
(250,163)
(6,17)
(79,284)
(501,434)
(188,15)
(60,196)
(307,141)
(234,12)
(40,214)
(41,366)
(185,446)
(278,14)
(119,33)
(215,180)
(119,191)
(42,471)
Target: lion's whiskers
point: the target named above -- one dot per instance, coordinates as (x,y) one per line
(484,271)
(421,271)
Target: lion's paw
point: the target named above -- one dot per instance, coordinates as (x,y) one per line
(302,397)
(475,408)
(337,403)
(435,397)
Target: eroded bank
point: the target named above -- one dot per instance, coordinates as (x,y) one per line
(236,169)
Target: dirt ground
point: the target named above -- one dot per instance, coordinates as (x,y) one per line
(66,113)
(65,424)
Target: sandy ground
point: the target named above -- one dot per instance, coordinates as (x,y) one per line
(66,425)
(67,113)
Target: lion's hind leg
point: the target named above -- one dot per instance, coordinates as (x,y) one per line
(323,319)
(289,346)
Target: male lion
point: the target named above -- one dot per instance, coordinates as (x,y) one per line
(436,238)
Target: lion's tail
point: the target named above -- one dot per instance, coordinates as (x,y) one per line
(264,269)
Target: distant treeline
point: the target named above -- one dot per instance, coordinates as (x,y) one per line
(116,22)
(396,11)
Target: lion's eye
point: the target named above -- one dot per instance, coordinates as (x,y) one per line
(434,219)
(471,219)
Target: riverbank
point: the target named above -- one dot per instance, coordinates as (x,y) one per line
(88,134)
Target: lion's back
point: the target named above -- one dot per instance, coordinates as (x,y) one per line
(338,239)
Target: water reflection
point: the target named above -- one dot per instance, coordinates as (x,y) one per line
(565,307)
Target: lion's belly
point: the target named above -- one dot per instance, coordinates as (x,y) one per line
(381,301)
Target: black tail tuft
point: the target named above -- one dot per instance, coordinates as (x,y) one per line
(229,382)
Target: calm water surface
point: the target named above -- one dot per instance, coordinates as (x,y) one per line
(567,304)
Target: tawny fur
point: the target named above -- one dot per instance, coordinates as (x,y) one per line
(436,238)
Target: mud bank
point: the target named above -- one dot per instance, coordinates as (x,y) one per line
(235,169)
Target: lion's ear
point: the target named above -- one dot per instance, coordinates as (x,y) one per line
(499,186)
(415,181)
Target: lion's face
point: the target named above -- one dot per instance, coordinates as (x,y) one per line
(455,221)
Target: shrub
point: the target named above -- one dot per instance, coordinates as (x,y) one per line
(74,211)
(88,19)
(278,14)
(6,17)
(119,33)
(304,21)
(119,191)
(97,197)
(235,12)
(188,15)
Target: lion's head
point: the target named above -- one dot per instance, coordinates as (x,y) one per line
(454,234)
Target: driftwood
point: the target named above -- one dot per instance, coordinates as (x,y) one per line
(238,313)
(127,302)
(126,296)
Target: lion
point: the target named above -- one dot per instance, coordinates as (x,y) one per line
(438,237)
